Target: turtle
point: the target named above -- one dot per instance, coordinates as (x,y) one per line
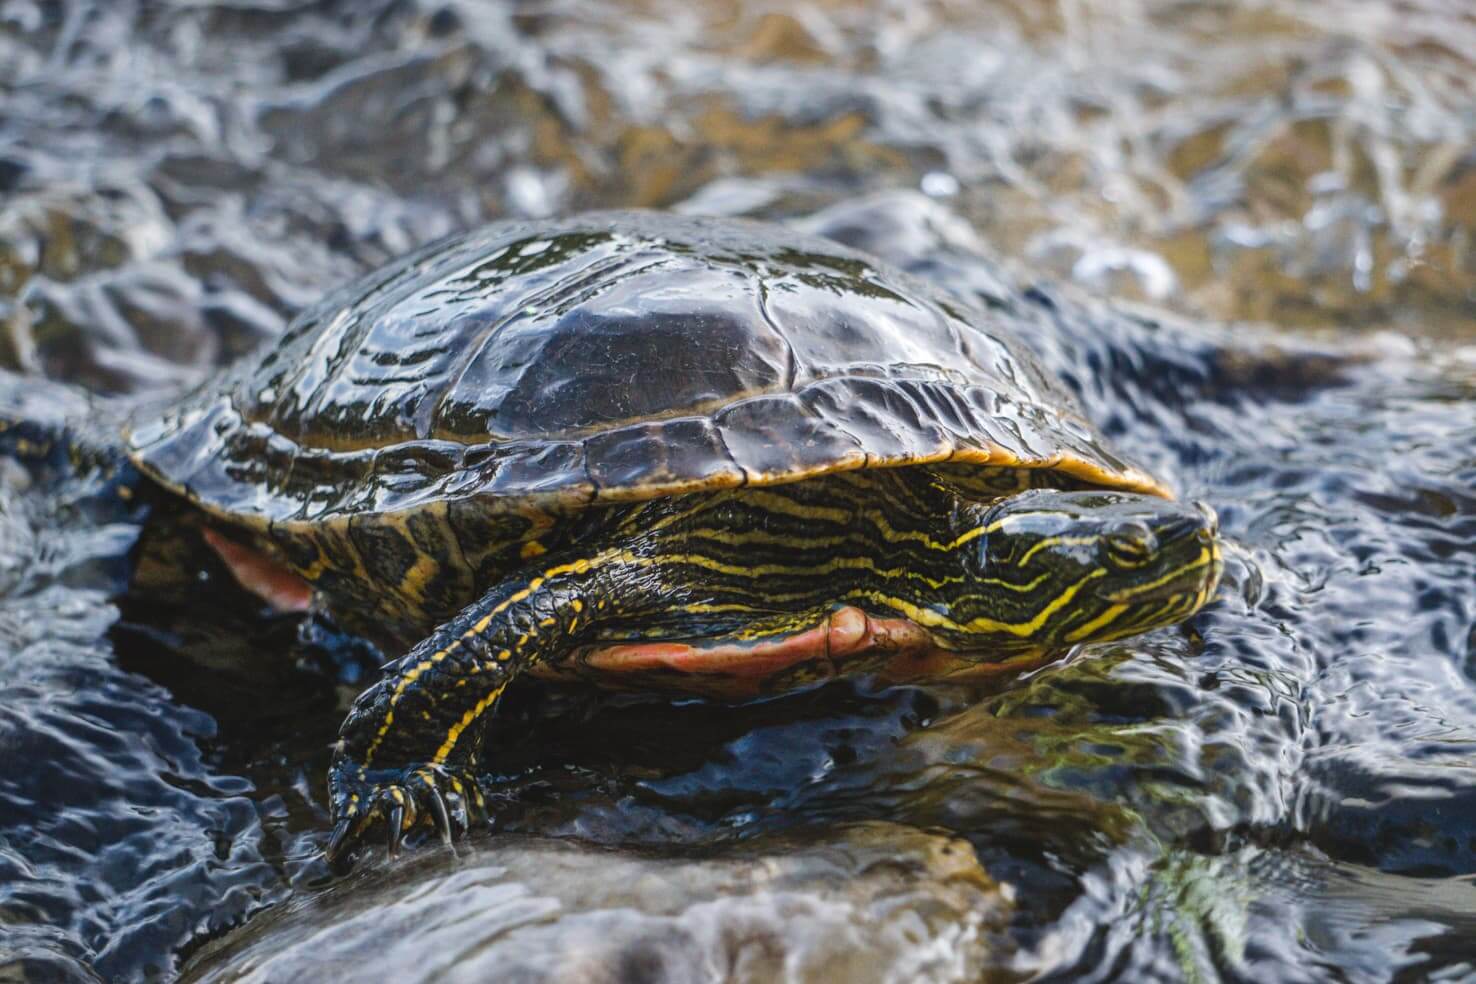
(666,453)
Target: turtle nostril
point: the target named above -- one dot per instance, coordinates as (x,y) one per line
(1212,521)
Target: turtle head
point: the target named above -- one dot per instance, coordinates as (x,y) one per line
(1053,569)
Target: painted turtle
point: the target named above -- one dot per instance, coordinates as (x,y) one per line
(664,452)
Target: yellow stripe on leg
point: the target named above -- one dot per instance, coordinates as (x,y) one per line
(467,719)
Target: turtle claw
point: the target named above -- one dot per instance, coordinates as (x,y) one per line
(443,822)
(396,825)
(460,819)
(402,799)
(468,803)
(334,852)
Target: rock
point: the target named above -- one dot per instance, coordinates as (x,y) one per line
(874,902)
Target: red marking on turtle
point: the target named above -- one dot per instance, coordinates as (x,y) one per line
(261,575)
(847,641)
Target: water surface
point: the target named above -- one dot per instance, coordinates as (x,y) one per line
(1284,788)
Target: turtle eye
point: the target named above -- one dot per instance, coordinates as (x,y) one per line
(1129,545)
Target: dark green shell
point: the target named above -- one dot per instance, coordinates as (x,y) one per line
(540,365)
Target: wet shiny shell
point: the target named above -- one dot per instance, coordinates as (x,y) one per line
(612,356)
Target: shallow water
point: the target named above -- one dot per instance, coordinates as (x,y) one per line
(1282,789)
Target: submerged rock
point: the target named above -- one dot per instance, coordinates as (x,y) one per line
(875,902)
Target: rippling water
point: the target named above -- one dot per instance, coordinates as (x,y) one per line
(1282,789)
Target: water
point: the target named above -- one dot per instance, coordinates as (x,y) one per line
(1282,789)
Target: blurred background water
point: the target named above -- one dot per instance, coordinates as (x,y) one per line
(1280,199)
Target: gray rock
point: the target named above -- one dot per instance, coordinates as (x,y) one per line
(876,902)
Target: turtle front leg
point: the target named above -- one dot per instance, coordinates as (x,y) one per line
(408,750)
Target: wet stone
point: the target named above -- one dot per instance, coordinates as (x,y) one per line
(871,902)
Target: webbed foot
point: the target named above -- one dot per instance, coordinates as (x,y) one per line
(443,797)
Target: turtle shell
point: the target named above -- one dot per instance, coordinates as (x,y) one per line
(612,356)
